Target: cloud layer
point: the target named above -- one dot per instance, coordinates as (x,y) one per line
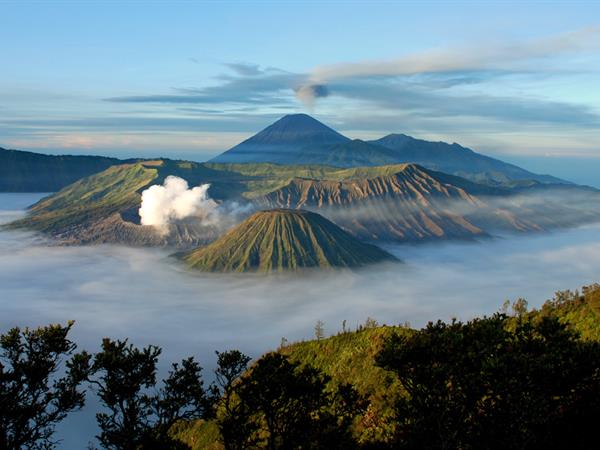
(145,295)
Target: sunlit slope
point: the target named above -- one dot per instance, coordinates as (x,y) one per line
(400,202)
(98,196)
(279,240)
(407,202)
(103,207)
(349,357)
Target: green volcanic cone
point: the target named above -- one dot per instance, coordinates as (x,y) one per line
(281,239)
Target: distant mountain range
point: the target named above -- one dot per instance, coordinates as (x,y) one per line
(296,139)
(301,139)
(33,172)
(280,240)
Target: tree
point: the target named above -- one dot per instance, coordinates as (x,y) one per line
(233,419)
(371,323)
(319,330)
(282,405)
(139,414)
(33,397)
(520,306)
(495,382)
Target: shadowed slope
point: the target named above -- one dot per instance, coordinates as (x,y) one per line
(22,171)
(457,160)
(278,240)
(283,141)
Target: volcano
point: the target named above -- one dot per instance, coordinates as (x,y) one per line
(281,239)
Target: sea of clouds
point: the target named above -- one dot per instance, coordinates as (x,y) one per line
(148,297)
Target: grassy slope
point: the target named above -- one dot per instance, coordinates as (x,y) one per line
(90,198)
(118,187)
(279,240)
(581,312)
(349,358)
(265,177)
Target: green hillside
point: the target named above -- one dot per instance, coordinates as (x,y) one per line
(579,310)
(98,196)
(109,200)
(350,357)
(279,240)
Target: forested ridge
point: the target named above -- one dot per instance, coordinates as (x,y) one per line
(517,379)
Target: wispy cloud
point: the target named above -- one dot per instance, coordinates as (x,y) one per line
(482,89)
(500,56)
(248,85)
(422,102)
(430,84)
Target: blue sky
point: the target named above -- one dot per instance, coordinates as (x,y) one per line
(190,79)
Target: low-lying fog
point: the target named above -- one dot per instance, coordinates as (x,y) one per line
(145,295)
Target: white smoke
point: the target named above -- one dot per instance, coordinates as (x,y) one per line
(174,200)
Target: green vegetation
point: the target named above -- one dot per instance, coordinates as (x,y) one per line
(579,311)
(138,413)
(111,191)
(118,189)
(280,404)
(524,380)
(267,177)
(349,358)
(278,240)
(34,396)
(352,358)
(398,202)
(484,384)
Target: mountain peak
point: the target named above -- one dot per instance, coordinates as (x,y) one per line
(283,239)
(296,128)
(284,140)
(299,119)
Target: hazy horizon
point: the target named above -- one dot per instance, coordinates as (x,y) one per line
(580,170)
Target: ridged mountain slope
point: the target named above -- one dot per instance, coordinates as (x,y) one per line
(279,240)
(406,204)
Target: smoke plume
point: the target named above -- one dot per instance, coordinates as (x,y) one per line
(174,200)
